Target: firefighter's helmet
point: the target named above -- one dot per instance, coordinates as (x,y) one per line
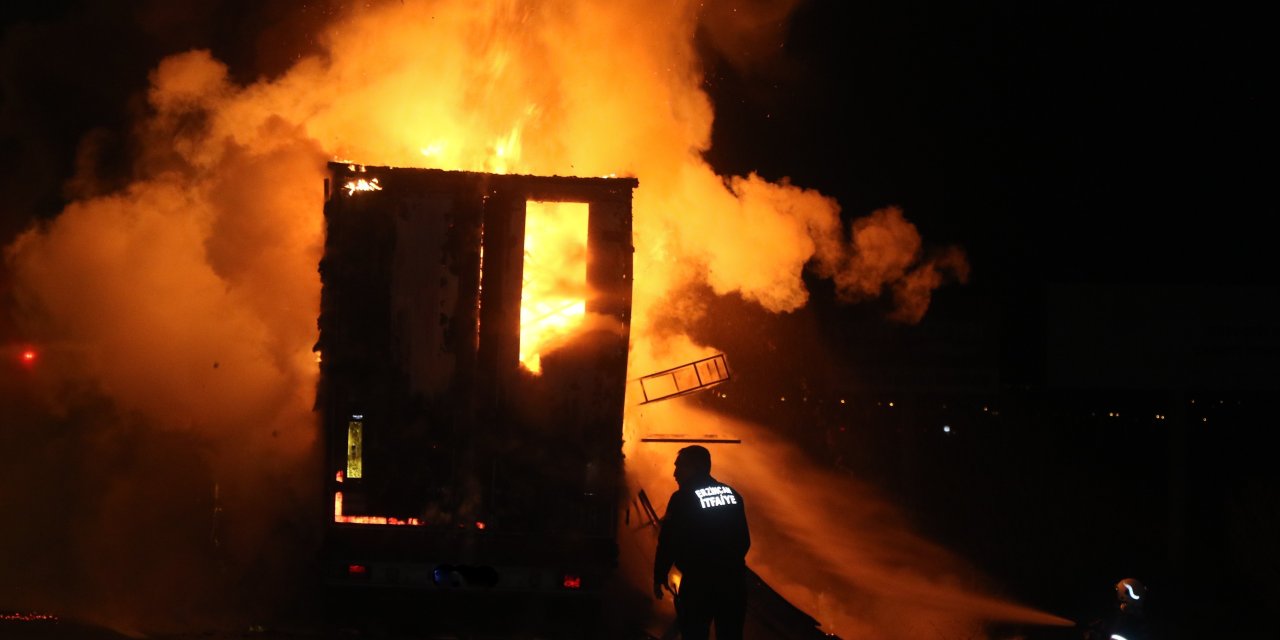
(1130,592)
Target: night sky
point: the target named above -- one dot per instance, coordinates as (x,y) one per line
(1087,142)
(1106,167)
(1076,151)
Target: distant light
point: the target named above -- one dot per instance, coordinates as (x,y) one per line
(357,570)
(572,581)
(1204,419)
(28,356)
(891,404)
(946,428)
(480,525)
(783,398)
(841,400)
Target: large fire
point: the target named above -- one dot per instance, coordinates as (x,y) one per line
(189,298)
(553,300)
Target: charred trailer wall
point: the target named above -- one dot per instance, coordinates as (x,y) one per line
(420,329)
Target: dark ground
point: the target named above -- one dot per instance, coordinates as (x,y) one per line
(1057,496)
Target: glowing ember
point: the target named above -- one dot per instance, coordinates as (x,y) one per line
(28,617)
(363,185)
(338,517)
(553,297)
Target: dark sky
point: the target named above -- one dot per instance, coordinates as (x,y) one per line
(1080,141)
(1103,144)
(1102,164)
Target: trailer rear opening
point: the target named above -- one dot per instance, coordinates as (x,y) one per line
(473,350)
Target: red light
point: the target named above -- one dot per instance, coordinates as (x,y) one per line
(572,582)
(480,525)
(28,356)
(357,570)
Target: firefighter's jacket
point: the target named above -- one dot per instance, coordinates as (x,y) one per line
(1123,624)
(704,531)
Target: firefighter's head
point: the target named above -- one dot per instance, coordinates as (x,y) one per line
(1131,593)
(692,462)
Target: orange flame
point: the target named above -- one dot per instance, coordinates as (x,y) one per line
(339,517)
(362,185)
(553,298)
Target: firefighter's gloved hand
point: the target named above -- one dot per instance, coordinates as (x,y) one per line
(657,589)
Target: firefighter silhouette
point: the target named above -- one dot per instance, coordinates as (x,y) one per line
(1128,621)
(704,535)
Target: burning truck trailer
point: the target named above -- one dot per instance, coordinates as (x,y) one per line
(473,338)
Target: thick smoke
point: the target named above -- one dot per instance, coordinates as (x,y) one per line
(173,308)
(166,432)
